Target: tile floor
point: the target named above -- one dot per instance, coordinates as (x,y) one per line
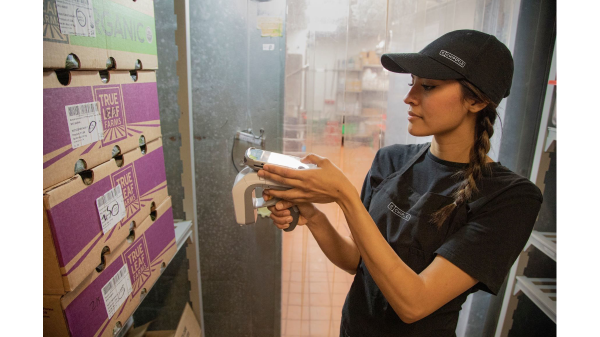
(313,289)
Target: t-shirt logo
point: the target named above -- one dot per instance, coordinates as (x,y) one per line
(396,210)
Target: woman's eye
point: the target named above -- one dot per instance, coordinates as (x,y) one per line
(427,87)
(411,84)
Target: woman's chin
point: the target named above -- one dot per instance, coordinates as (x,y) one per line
(416,132)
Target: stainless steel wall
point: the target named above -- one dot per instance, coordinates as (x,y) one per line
(236,85)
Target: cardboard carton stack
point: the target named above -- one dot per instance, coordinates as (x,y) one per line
(108,221)
(188,327)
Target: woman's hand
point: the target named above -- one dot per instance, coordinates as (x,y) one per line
(323,185)
(281,216)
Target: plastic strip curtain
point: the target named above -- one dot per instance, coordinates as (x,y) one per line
(341,104)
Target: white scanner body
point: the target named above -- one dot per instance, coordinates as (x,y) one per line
(245,201)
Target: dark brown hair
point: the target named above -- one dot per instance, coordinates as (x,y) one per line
(484,129)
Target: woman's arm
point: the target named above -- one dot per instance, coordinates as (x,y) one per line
(340,250)
(413,296)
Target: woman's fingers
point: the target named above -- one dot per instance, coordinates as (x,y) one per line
(271,175)
(293,194)
(266,196)
(280,213)
(282,222)
(313,159)
(282,171)
(283,204)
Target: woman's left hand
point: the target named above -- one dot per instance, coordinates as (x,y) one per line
(323,185)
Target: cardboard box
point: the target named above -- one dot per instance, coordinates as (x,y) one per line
(124,30)
(83,312)
(127,109)
(372,112)
(73,237)
(370,58)
(188,327)
(353,86)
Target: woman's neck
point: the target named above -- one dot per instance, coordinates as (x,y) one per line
(457,151)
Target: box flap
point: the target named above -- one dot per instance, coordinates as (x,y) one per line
(140,331)
(188,324)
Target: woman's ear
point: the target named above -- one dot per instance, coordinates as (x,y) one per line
(474,106)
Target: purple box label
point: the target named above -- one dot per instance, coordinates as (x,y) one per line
(138,263)
(113,113)
(127,179)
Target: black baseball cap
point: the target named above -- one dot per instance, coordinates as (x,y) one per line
(462,54)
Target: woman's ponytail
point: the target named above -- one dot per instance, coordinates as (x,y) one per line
(484,129)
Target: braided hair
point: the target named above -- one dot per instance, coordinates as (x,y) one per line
(484,129)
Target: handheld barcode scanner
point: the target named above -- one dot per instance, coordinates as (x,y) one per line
(245,201)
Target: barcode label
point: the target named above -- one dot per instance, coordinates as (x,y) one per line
(110,196)
(107,288)
(111,208)
(116,290)
(76,17)
(83,109)
(85,123)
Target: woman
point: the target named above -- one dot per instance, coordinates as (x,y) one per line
(434,222)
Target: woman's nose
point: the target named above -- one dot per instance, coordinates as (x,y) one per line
(411,96)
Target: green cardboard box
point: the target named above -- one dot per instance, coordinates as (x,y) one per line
(95,31)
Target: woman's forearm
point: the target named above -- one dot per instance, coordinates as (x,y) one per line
(340,250)
(400,285)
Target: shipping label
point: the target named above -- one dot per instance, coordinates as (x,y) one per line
(85,123)
(116,291)
(76,17)
(111,208)
(51,27)
(127,179)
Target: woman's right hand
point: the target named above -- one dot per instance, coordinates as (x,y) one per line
(281,216)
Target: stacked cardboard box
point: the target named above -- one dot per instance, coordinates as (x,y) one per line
(108,221)
(125,112)
(188,327)
(370,58)
(95,31)
(104,301)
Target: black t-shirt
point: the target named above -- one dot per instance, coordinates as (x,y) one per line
(404,186)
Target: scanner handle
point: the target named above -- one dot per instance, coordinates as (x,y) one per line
(294,211)
(295,215)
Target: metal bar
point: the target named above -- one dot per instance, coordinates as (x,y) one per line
(186,128)
(539,147)
(510,301)
(545,245)
(533,291)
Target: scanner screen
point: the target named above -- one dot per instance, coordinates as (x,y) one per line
(287,161)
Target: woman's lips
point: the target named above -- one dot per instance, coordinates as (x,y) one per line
(412,116)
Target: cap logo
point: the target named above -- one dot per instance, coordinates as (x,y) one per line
(453,58)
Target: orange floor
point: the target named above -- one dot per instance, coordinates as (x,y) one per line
(313,289)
